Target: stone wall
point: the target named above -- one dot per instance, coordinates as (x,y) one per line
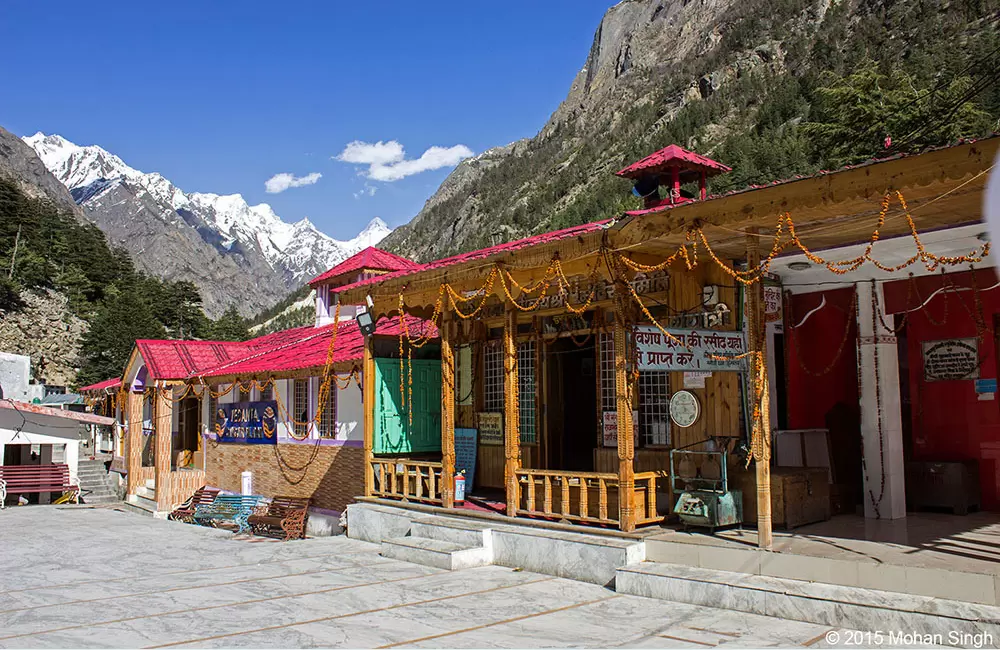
(332,475)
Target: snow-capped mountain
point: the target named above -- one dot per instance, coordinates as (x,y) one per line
(234,252)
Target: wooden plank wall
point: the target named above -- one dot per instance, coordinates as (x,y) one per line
(720,398)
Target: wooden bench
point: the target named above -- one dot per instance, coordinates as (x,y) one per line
(38,479)
(228,508)
(282,516)
(203,496)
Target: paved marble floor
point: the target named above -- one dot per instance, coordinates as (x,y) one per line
(82,578)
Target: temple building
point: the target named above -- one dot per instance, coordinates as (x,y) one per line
(776,356)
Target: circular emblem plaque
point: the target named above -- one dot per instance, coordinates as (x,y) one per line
(684,408)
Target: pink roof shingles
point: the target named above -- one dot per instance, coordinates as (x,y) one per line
(311,351)
(178,359)
(673,155)
(372,258)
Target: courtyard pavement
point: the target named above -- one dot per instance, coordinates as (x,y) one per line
(77,577)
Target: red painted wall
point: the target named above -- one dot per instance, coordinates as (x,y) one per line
(949,422)
(812,348)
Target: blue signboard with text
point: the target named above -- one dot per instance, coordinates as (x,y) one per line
(249,423)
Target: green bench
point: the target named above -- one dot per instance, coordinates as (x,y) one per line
(232,509)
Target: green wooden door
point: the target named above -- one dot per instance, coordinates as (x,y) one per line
(393,431)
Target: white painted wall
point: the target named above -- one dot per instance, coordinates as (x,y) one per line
(350,413)
(39,429)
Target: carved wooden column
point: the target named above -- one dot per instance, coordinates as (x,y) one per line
(626,442)
(133,441)
(447,413)
(512,416)
(163,429)
(760,441)
(368,403)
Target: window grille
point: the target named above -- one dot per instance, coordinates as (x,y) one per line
(654,407)
(267,393)
(493,377)
(300,406)
(213,407)
(609,400)
(328,415)
(526,392)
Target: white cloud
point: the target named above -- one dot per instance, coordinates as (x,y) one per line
(367,190)
(387,161)
(283,181)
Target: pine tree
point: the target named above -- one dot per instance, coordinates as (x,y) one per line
(230,327)
(113,331)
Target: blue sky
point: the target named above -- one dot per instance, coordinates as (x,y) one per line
(222,96)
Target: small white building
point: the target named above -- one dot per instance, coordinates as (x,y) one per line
(38,435)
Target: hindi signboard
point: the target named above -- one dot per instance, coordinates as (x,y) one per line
(951,359)
(249,423)
(689,349)
(465,455)
(610,428)
(490,428)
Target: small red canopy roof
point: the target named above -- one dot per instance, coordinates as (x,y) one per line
(101,386)
(673,156)
(372,258)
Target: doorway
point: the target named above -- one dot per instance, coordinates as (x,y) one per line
(188,442)
(571,406)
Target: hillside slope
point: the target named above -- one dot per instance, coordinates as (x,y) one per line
(742,82)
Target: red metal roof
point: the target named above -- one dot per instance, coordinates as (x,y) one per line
(311,351)
(483,253)
(65,414)
(673,156)
(372,258)
(100,386)
(178,359)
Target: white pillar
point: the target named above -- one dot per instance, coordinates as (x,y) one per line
(881,419)
(73,460)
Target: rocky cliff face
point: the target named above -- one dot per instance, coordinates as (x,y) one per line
(48,332)
(728,79)
(18,161)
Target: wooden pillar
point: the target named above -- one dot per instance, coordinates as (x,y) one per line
(760,442)
(512,416)
(447,413)
(133,440)
(368,405)
(163,430)
(626,442)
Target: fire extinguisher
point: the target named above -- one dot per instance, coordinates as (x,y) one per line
(460,488)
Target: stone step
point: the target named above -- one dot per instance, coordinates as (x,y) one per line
(864,572)
(468,533)
(148,506)
(436,553)
(812,602)
(151,483)
(146,492)
(104,498)
(98,493)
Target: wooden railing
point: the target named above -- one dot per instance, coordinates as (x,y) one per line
(589,497)
(645,482)
(407,479)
